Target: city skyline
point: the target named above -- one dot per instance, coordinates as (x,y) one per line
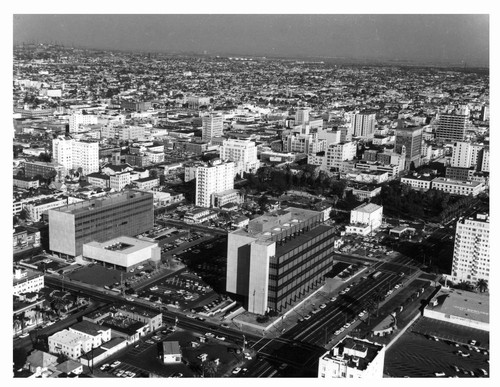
(444,39)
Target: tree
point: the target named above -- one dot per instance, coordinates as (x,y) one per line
(20,356)
(210,369)
(482,285)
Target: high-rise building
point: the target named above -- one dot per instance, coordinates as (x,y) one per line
(466,155)
(128,213)
(216,177)
(411,139)
(73,154)
(302,116)
(353,358)
(452,124)
(212,126)
(485,161)
(243,153)
(471,254)
(363,124)
(278,258)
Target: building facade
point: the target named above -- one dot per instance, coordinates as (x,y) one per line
(279,258)
(452,124)
(471,253)
(216,177)
(242,153)
(129,213)
(411,139)
(212,126)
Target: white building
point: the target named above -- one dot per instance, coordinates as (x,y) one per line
(216,177)
(422,183)
(243,153)
(334,156)
(485,162)
(353,358)
(27,281)
(457,187)
(36,209)
(363,124)
(123,252)
(71,344)
(465,154)
(471,254)
(73,154)
(118,181)
(78,119)
(365,219)
(212,126)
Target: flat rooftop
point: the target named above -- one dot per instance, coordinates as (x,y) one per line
(123,244)
(300,239)
(456,182)
(351,349)
(368,208)
(110,200)
(460,303)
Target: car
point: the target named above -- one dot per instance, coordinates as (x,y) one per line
(136,346)
(104,367)
(191,316)
(247,356)
(236,371)
(333,299)
(322,306)
(465,354)
(361,314)
(439,374)
(483,372)
(346,325)
(177,375)
(397,286)
(337,332)
(150,342)
(116,363)
(307,317)
(222,338)
(209,334)
(224,325)
(472,342)
(120,373)
(455,368)
(283,366)
(315,311)
(24,335)
(300,320)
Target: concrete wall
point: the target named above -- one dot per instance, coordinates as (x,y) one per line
(62,232)
(259,276)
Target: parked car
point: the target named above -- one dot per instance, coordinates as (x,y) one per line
(236,371)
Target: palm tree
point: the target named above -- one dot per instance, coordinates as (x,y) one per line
(482,285)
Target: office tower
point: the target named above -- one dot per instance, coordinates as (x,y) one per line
(363,124)
(62,152)
(485,160)
(411,139)
(279,258)
(302,116)
(337,153)
(212,126)
(353,358)
(243,153)
(73,154)
(216,177)
(452,124)
(466,155)
(128,213)
(471,254)
(86,156)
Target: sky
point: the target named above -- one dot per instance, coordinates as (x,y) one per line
(418,38)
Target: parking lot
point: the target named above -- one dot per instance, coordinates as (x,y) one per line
(419,355)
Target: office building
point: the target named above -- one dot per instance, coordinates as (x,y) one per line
(302,116)
(129,213)
(410,139)
(457,187)
(46,170)
(466,155)
(452,124)
(218,176)
(471,253)
(78,119)
(278,258)
(73,154)
(195,102)
(243,153)
(485,160)
(353,358)
(212,126)
(363,124)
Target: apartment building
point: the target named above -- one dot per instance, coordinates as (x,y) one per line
(243,153)
(218,176)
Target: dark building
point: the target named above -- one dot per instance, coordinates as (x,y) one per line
(128,213)
(411,139)
(279,258)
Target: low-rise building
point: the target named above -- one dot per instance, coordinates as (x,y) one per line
(147,183)
(365,219)
(27,280)
(25,182)
(457,187)
(353,358)
(171,352)
(422,183)
(199,215)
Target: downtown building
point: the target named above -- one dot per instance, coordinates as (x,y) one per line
(363,124)
(73,154)
(452,124)
(101,219)
(471,254)
(279,258)
(243,153)
(212,126)
(215,178)
(409,139)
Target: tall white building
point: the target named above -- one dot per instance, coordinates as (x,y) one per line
(212,126)
(466,155)
(471,255)
(214,178)
(243,153)
(79,118)
(485,162)
(302,116)
(73,154)
(353,358)
(363,124)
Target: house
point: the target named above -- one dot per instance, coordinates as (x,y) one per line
(39,361)
(171,352)
(70,366)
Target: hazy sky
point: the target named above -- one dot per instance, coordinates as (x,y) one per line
(422,38)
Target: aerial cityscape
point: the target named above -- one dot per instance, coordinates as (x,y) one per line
(251,196)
